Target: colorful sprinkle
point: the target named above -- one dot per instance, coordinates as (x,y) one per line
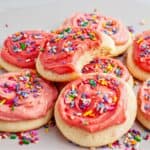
(24,138)
(92,82)
(23,46)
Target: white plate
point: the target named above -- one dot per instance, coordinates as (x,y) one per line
(32,14)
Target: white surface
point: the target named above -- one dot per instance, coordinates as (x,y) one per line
(48,14)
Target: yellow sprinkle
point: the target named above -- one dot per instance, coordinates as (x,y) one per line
(79,33)
(46,130)
(104,25)
(103,82)
(94,17)
(139,40)
(110,67)
(114,99)
(88,113)
(27,85)
(2,101)
(17,33)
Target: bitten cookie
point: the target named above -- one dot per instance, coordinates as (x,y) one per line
(66,51)
(113,28)
(109,66)
(138,58)
(143,114)
(26,101)
(94,110)
(20,50)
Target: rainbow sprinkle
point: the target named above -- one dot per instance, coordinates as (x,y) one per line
(24,138)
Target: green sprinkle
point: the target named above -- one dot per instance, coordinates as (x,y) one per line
(91,36)
(12,108)
(105,71)
(72,96)
(13,136)
(28,75)
(25,141)
(67,30)
(23,46)
(84,24)
(137,138)
(92,82)
(61,36)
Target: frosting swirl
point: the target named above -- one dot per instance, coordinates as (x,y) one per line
(110,26)
(93,103)
(107,65)
(141,51)
(22,48)
(25,96)
(144,99)
(64,47)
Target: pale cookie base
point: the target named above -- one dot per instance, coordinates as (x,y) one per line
(19,126)
(134,69)
(122,48)
(8,67)
(100,138)
(110,49)
(143,120)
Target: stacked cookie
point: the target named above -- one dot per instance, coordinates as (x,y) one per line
(96,104)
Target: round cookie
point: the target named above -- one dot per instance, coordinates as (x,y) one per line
(118,33)
(66,51)
(108,66)
(94,110)
(26,101)
(138,57)
(143,114)
(20,50)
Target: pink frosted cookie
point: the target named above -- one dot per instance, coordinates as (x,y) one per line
(120,38)
(94,110)
(138,58)
(144,104)
(20,50)
(26,101)
(108,66)
(66,51)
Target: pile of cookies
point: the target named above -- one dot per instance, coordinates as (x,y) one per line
(94,103)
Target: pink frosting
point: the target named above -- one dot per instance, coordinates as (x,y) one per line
(65,46)
(93,103)
(112,27)
(25,96)
(144,99)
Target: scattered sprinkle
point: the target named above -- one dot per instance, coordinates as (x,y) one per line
(6,25)
(23,46)
(23,138)
(131,29)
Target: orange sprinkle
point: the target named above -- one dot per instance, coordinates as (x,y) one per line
(2,101)
(88,113)
(139,40)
